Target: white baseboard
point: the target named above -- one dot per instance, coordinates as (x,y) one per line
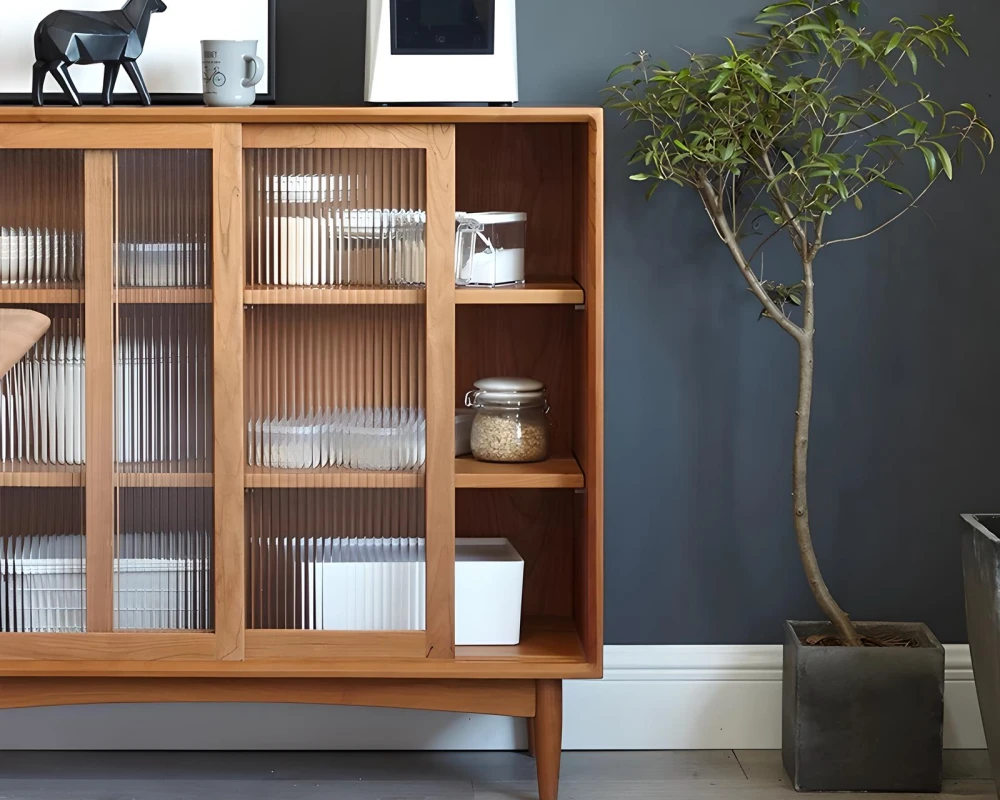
(652,698)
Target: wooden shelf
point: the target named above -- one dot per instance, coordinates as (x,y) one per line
(165,294)
(263,478)
(41,295)
(138,480)
(543,640)
(23,475)
(556,473)
(543,291)
(334,296)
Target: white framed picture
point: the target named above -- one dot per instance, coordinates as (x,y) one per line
(171,59)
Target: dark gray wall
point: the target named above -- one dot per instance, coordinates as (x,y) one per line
(700,396)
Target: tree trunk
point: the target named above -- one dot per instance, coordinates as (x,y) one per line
(800,468)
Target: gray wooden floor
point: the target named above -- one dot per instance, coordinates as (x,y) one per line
(710,775)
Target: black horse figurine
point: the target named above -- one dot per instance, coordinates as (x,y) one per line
(112,38)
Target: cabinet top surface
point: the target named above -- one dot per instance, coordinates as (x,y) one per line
(293,114)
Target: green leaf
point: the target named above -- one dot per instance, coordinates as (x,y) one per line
(893,42)
(639,177)
(789,159)
(889,74)
(945,158)
(816,139)
(912,55)
(896,187)
(931,159)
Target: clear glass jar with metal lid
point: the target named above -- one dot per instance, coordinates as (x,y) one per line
(511,424)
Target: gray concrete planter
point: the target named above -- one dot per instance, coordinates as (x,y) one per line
(981,570)
(863,719)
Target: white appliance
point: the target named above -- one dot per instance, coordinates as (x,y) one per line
(441,51)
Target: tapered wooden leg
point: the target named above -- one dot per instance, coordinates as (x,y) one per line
(531,736)
(548,737)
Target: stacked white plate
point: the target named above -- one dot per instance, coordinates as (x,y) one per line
(43,584)
(42,411)
(39,256)
(365,439)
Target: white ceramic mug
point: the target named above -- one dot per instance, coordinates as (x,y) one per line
(231,70)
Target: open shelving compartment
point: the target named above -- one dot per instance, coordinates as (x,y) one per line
(274,351)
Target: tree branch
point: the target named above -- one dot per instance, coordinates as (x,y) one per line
(888,222)
(723,228)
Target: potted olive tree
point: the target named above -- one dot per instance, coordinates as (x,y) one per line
(815,112)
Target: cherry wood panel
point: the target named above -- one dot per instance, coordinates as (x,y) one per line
(588,361)
(441,388)
(522,167)
(13,473)
(65,296)
(539,523)
(307,296)
(99,216)
(523,341)
(556,473)
(230,434)
(76,650)
(513,698)
(327,645)
(537,291)
(297,114)
(110,136)
(396,136)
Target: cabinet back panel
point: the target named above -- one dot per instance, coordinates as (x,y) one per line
(539,523)
(527,168)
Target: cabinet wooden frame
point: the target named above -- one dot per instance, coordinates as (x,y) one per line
(548,162)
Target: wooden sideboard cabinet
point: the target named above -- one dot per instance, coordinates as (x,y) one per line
(256,353)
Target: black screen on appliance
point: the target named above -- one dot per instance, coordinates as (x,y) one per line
(442,27)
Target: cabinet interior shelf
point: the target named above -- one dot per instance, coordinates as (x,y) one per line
(543,640)
(45,475)
(75,296)
(334,296)
(138,480)
(265,478)
(541,291)
(556,473)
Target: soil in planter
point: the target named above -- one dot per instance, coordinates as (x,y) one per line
(826,640)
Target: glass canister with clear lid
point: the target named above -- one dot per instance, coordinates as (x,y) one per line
(489,248)
(511,424)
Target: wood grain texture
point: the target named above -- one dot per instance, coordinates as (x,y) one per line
(548,737)
(538,291)
(339,136)
(539,523)
(168,295)
(335,297)
(440,487)
(543,640)
(330,478)
(67,296)
(228,283)
(138,480)
(99,227)
(524,341)
(513,698)
(588,438)
(556,473)
(333,644)
(529,168)
(13,473)
(264,115)
(70,649)
(100,135)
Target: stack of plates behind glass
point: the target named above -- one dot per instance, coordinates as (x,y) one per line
(34,256)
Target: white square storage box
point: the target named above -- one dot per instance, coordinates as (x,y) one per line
(489,578)
(489,248)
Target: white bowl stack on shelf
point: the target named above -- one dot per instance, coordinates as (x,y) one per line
(380,585)
(35,256)
(310,240)
(43,584)
(379,439)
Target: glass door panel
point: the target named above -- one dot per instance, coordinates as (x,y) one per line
(42,408)
(163,411)
(335,391)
